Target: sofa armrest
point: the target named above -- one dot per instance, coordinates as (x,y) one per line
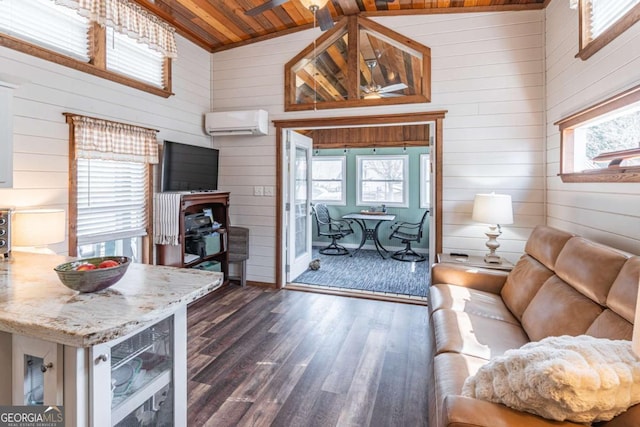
(462,411)
(482,279)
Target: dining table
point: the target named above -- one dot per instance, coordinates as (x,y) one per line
(370,223)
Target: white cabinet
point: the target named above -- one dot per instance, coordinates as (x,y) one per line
(6,134)
(37,372)
(140,379)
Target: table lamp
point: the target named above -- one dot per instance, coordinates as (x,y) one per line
(635,344)
(33,229)
(493,209)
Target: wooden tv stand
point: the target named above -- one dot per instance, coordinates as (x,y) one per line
(196,202)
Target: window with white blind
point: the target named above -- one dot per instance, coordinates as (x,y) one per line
(127,56)
(603,20)
(51,31)
(46,24)
(111,206)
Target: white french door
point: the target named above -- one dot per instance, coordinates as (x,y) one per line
(298,203)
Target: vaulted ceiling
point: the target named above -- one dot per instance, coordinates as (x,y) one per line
(218,25)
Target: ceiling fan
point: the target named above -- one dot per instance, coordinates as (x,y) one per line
(375,91)
(317,7)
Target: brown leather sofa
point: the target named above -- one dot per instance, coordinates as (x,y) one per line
(562,285)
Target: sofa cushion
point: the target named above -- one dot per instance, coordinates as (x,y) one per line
(471,301)
(545,243)
(450,372)
(581,379)
(474,335)
(623,294)
(522,284)
(558,309)
(589,267)
(609,325)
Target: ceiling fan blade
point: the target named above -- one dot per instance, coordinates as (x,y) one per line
(324,18)
(264,7)
(389,95)
(393,88)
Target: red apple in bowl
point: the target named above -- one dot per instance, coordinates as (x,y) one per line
(84,267)
(108,264)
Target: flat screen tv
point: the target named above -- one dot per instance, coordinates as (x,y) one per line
(189,167)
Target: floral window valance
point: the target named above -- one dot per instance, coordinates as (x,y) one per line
(130,19)
(107,140)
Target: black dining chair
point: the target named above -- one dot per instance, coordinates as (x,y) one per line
(336,229)
(408,232)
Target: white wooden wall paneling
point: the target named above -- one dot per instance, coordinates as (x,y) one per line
(488,72)
(605,212)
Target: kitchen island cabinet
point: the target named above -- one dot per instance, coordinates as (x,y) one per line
(123,349)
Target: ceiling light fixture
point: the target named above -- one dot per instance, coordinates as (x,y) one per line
(314,5)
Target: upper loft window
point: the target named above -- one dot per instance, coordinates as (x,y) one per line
(60,34)
(603,20)
(358,63)
(602,143)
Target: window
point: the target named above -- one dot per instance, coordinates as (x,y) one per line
(57,33)
(329,174)
(603,20)
(126,56)
(358,63)
(111,196)
(110,188)
(383,180)
(425,181)
(602,143)
(46,24)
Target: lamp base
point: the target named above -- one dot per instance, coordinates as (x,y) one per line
(492,259)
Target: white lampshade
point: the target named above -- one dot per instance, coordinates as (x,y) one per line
(636,325)
(38,227)
(310,4)
(492,209)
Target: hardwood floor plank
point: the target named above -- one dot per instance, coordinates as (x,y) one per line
(261,357)
(360,399)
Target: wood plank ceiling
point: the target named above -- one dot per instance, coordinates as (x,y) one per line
(217,25)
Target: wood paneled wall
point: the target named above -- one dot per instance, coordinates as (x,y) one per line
(384,136)
(605,212)
(46,90)
(488,72)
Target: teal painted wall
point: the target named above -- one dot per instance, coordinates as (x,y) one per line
(413,213)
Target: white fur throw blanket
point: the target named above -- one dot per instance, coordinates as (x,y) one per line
(581,379)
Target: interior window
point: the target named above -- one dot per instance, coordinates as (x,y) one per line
(329,174)
(383,180)
(602,143)
(604,20)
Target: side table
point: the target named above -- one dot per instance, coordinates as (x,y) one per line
(474,261)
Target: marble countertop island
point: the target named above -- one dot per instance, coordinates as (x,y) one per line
(33,301)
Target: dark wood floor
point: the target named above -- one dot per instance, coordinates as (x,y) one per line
(259,357)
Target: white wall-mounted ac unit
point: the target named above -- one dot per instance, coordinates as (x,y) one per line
(251,122)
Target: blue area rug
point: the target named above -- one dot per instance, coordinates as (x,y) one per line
(369,272)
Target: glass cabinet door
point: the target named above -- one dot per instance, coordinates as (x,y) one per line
(134,379)
(37,372)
